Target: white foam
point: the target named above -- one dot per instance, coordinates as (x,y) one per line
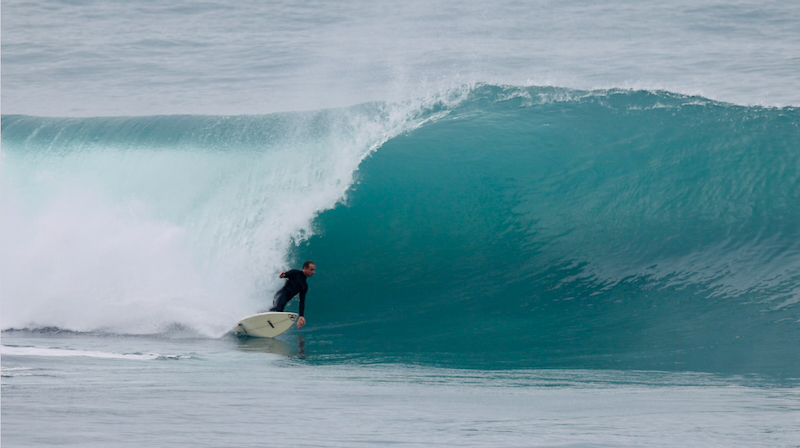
(104,237)
(10,372)
(60,353)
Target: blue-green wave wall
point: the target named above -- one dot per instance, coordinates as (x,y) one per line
(538,228)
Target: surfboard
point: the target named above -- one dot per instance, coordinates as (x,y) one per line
(265,325)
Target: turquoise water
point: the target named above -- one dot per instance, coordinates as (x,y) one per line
(506,228)
(512,266)
(547,224)
(613,230)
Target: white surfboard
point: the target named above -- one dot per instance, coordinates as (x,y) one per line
(265,325)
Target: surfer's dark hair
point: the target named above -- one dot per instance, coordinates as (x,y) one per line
(307,264)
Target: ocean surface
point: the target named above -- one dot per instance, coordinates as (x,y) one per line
(544,224)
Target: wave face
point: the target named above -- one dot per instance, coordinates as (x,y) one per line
(502,228)
(538,227)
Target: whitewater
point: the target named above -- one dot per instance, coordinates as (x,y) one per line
(535,224)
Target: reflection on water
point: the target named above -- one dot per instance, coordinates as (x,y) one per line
(274,346)
(301,346)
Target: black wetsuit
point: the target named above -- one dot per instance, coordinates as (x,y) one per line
(295,284)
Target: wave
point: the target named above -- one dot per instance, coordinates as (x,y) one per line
(494,226)
(537,227)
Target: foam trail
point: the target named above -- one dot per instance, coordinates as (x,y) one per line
(10,350)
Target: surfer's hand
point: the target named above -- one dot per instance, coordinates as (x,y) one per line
(282,275)
(301,322)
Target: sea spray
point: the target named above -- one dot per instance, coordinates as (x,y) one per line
(137,224)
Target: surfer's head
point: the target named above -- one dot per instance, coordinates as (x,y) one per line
(309,268)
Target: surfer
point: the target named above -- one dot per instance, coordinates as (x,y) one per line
(295,284)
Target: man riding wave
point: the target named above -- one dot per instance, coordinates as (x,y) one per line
(295,284)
